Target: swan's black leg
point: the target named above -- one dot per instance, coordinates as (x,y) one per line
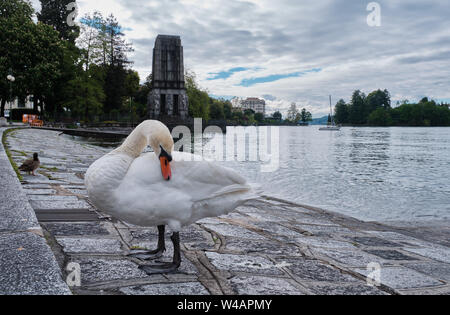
(167,267)
(153,254)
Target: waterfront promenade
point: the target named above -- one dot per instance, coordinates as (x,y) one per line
(268,246)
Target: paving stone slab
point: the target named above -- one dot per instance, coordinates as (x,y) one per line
(278,231)
(390,254)
(100,269)
(52,198)
(351,258)
(266,247)
(81,192)
(67,177)
(77,229)
(313,270)
(439,253)
(225,229)
(402,278)
(343,289)
(186,288)
(40,191)
(259,285)
(319,230)
(241,263)
(392,236)
(440,271)
(374,242)
(59,204)
(27,187)
(28,266)
(90,245)
(325,242)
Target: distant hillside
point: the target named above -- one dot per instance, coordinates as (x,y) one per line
(319,121)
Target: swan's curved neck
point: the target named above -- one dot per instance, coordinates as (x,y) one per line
(149,132)
(136,142)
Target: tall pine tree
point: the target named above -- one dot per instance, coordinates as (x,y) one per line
(56,13)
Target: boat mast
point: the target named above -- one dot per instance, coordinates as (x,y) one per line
(331,113)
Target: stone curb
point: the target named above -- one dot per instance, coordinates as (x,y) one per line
(27,264)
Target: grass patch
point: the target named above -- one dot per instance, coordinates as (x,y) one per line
(8,153)
(51,169)
(138,248)
(20,152)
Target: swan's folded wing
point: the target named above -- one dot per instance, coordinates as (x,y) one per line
(204,171)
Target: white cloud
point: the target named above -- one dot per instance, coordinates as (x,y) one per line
(408,55)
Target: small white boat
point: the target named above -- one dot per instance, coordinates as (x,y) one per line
(332,126)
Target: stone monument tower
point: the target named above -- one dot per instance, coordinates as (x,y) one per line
(168,97)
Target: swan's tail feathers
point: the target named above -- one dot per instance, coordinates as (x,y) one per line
(244,192)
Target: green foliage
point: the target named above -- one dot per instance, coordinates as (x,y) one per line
(277,116)
(216,110)
(380,117)
(376,110)
(85,95)
(259,117)
(341,115)
(55,13)
(305,116)
(198,99)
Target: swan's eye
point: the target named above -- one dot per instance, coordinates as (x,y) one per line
(165,154)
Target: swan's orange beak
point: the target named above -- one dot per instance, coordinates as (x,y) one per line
(165,167)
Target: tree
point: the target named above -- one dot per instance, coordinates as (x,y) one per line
(249,112)
(277,116)
(46,64)
(259,117)
(378,99)
(228,109)
(198,99)
(90,40)
(216,110)
(341,112)
(16,46)
(86,94)
(292,113)
(357,108)
(380,117)
(56,13)
(305,116)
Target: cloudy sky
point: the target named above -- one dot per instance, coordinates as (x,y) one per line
(295,51)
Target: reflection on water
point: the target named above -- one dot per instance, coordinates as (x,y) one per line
(369,173)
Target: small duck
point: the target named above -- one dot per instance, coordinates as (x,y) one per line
(31,165)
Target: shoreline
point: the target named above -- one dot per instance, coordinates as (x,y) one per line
(221,255)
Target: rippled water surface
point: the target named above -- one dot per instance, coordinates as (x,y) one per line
(377,174)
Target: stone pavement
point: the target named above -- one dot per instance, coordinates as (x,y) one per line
(268,246)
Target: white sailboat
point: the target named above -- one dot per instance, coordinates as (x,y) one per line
(332,126)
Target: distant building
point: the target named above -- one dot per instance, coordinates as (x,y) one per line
(20,103)
(256,104)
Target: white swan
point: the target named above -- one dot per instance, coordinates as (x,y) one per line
(129,186)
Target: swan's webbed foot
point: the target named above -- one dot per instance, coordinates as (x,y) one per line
(166,267)
(161,268)
(147,255)
(153,254)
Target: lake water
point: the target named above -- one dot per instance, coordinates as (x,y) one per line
(374,174)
